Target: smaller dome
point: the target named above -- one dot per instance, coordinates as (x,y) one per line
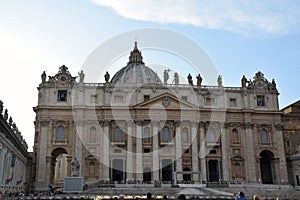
(135,72)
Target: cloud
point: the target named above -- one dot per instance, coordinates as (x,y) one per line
(274,17)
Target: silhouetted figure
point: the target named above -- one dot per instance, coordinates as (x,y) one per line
(190,79)
(43,76)
(219,80)
(81,76)
(244,81)
(106,77)
(199,80)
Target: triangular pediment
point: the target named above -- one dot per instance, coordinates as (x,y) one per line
(166,101)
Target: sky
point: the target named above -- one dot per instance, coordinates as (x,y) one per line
(240,37)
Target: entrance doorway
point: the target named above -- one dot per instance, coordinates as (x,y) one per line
(117,170)
(147,175)
(58,170)
(267,167)
(186,176)
(167,170)
(213,171)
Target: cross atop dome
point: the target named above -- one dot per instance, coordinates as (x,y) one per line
(135,55)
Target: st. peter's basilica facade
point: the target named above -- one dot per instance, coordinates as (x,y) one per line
(136,128)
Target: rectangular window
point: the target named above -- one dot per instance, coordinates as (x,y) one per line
(117,150)
(62,95)
(184,98)
(146,150)
(93,98)
(297,180)
(213,151)
(187,151)
(261,100)
(288,144)
(146,97)
(118,99)
(13,160)
(232,102)
(209,101)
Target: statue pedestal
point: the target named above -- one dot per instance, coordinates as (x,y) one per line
(73,185)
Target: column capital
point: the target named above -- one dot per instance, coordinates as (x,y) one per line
(248,125)
(155,123)
(104,122)
(79,122)
(194,123)
(202,124)
(138,122)
(129,123)
(44,122)
(278,127)
(48,158)
(177,123)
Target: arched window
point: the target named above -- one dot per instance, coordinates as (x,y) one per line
(166,135)
(185,135)
(235,136)
(117,137)
(146,137)
(91,168)
(92,134)
(210,135)
(60,133)
(264,137)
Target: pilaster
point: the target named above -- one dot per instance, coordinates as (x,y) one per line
(203,152)
(178,151)
(106,151)
(129,156)
(195,164)
(155,157)
(249,153)
(225,164)
(139,151)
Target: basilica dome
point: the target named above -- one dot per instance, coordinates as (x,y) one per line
(136,72)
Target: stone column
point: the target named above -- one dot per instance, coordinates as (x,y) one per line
(69,160)
(139,151)
(283,176)
(106,151)
(155,157)
(195,164)
(178,151)
(78,147)
(224,147)
(40,184)
(129,156)
(203,152)
(48,169)
(249,153)
(2,166)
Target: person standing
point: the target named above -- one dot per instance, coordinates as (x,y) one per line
(242,196)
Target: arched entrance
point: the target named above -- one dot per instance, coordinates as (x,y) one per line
(186,176)
(147,174)
(267,167)
(58,170)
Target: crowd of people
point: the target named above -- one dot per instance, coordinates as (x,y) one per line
(240,196)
